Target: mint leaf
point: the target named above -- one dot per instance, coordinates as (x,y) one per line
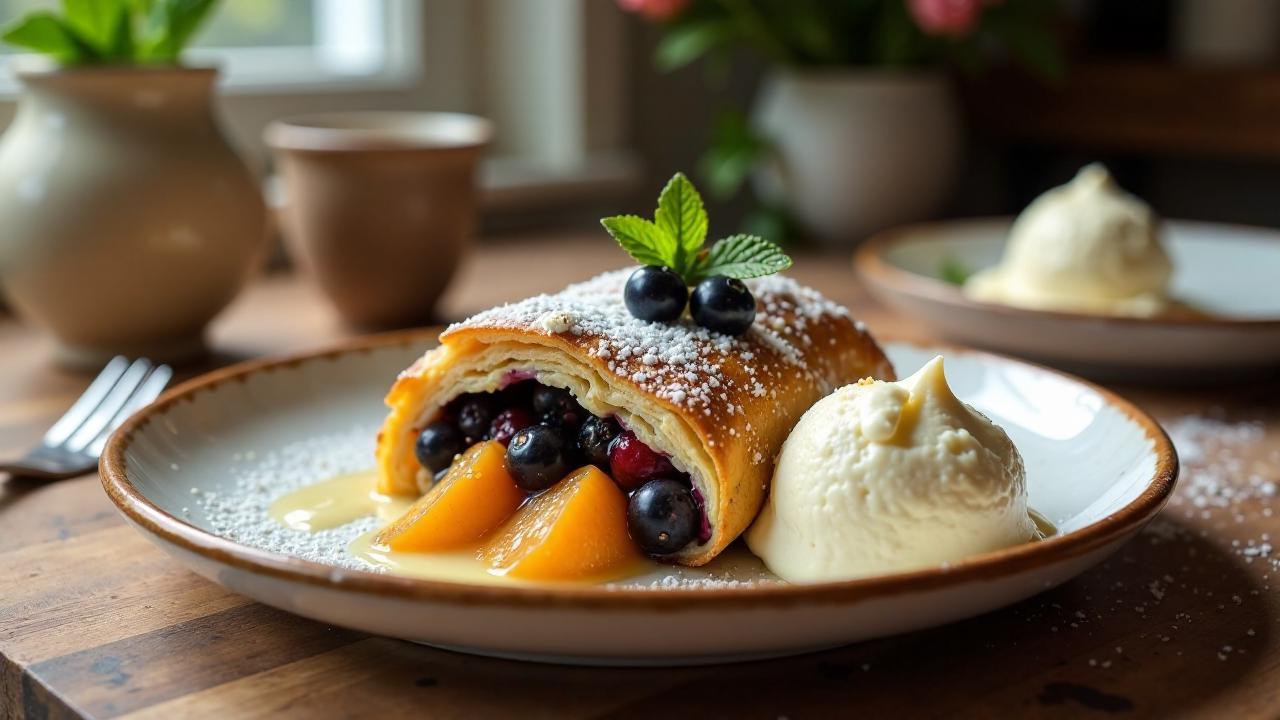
(46,33)
(676,236)
(644,241)
(681,215)
(742,257)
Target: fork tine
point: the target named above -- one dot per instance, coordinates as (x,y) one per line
(149,390)
(87,402)
(109,406)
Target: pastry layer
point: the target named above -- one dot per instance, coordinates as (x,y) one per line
(719,406)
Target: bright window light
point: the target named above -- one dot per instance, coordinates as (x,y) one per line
(314,45)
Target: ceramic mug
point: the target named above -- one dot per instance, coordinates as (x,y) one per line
(379,207)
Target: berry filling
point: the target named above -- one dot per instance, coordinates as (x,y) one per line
(635,463)
(508,423)
(547,434)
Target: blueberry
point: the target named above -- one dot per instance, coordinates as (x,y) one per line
(594,438)
(474,415)
(538,457)
(437,445)
(556,407)
(662,517)
(723,305)
(656,294)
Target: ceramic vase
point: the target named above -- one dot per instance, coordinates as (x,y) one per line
(129,220)
(857,151)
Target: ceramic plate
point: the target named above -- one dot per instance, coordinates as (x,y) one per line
(1228,273)
(200,436)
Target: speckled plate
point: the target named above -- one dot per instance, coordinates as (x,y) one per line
(1225,274)
(1098,468)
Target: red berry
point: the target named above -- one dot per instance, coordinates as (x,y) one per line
(509,422)
(633,463)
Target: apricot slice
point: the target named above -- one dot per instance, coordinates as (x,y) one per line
(575,530)
(473,499)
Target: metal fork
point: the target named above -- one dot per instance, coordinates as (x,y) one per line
(72,446)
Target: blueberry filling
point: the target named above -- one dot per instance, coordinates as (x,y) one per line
(538,457)
(548,434)
(662,517)
(437,445)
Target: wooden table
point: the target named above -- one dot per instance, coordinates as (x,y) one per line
(94,622)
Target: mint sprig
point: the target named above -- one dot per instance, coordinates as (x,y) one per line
(677,233)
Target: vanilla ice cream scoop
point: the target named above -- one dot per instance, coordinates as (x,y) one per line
(886,476)
(1087,246)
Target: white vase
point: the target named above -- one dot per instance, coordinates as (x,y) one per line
(857,151)
(129,222)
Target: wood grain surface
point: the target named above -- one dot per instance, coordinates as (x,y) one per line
(95,622)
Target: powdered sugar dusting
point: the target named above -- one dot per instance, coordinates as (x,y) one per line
(242,514)
(681,362)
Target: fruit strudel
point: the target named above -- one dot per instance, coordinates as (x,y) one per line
(668,410)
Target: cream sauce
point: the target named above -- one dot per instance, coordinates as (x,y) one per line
(346,498)
(336,502)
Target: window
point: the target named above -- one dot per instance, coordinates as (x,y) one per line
(278,44)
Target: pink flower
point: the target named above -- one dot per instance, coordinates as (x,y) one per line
(951,18)
(656,10)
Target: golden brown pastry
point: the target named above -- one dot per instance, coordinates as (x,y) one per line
(718,406)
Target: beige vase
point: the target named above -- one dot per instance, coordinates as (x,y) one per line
(129,222)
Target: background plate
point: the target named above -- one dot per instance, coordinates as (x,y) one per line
(1228,272)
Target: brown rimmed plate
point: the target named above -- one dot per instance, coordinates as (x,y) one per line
(1225,278)
(263,419)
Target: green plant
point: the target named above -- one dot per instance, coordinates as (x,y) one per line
(818,35)
(101,32)
(901,34)
(675,236)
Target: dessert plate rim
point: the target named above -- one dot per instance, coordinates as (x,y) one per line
(152,519)
(872,265)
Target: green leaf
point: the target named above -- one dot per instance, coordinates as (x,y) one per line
(734,152)
(96,22)
(644,241)
(742,257)
(121,47)
(681,215)
(1037,50)
(1026,30)
(46,33)
(685,43)
(770,221)
(954,272)
(170,25)
(186,17)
